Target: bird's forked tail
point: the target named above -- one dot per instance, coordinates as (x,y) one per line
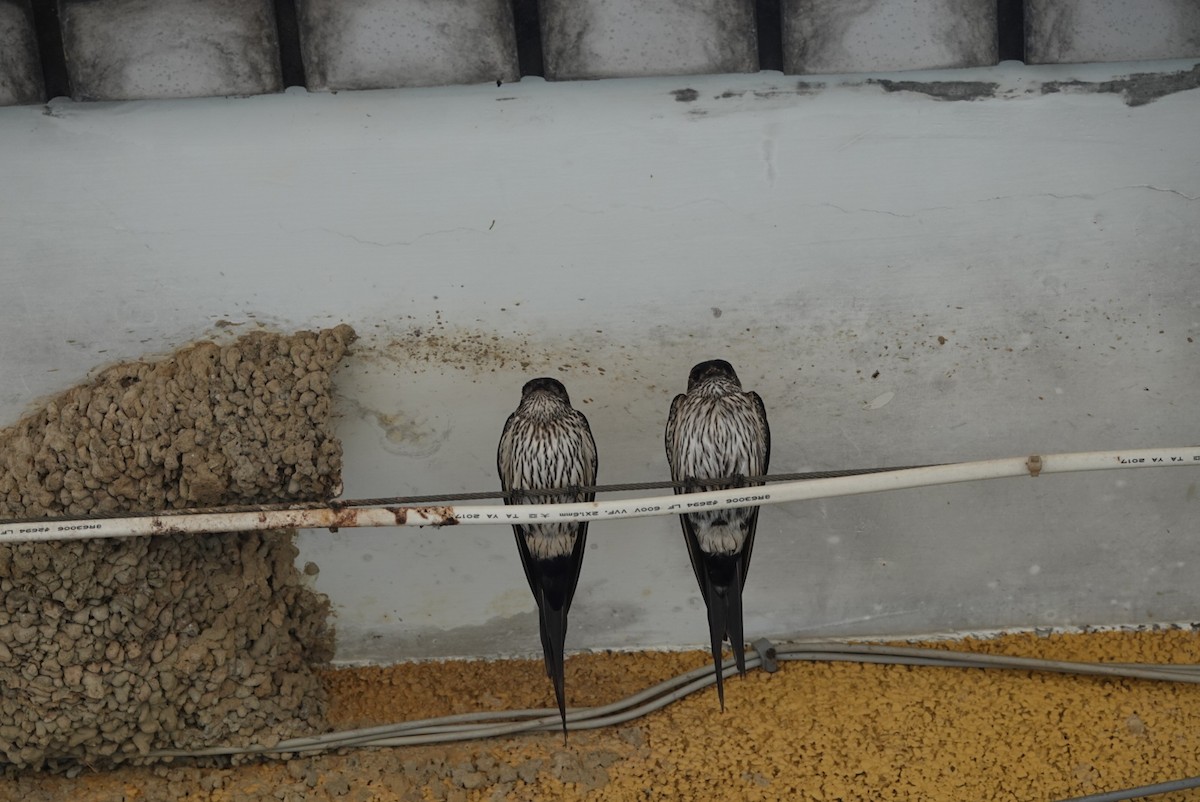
(723,576)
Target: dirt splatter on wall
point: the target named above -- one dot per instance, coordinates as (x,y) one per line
(112,648)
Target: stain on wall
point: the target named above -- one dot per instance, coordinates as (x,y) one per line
(1137,89)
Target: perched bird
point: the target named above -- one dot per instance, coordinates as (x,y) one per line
(547,444)
(717,431)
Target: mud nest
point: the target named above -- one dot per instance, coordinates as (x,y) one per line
(112,648)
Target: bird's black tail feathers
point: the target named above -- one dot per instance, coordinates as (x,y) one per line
(546,651)
(557,588)
(723,580)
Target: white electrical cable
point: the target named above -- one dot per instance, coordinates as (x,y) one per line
(199,522)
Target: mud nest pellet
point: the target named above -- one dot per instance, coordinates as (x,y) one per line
(112,648)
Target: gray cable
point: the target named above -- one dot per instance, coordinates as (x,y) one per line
(947,657)
(1140,791)
(468,726)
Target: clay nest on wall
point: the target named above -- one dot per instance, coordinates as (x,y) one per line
(112,648)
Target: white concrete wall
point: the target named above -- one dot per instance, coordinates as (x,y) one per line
(611,234)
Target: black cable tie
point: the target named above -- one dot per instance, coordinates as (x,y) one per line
(766,653)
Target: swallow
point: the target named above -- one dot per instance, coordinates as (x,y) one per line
(716,430)
(547,444)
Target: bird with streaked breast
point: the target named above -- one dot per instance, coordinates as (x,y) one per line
(714,431)
(547,445)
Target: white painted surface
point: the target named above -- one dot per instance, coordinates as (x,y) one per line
(610,235)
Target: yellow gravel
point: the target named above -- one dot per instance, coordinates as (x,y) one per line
(809,732)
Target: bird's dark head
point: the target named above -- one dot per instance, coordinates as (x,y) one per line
(712,369)
(545,384)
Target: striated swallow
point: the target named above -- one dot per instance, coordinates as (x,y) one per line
(547,444)
(716,430)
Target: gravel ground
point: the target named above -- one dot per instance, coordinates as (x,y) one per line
(811,731)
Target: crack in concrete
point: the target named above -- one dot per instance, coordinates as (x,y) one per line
(1168,190)
(844,210)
